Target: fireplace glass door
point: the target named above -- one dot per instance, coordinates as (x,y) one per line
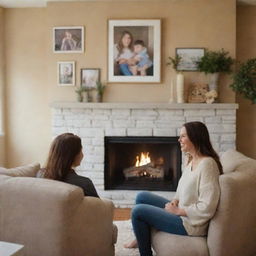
(142,163)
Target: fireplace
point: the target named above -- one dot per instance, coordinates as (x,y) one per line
(142,163)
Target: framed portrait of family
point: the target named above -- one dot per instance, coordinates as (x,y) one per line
(90,77)
(66,73)
(189,56)
(134,51)
(68,39)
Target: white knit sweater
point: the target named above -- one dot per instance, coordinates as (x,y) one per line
(198,193)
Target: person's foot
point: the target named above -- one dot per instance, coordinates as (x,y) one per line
(132,244)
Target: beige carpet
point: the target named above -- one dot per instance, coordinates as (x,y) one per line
(125,234)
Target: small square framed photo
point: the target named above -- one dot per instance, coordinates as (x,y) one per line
(90,77)
(189,56)
(66,73)
(68,39)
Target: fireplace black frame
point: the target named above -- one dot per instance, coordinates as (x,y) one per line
(167,185)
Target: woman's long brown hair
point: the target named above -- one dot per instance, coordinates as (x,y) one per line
(120,45)
(62,154)
(199,136)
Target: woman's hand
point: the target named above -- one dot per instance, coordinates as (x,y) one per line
(175,202)
(173,208)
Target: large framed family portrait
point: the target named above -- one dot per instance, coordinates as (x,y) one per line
(134,51)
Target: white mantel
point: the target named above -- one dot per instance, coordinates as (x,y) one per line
(136,105)
(93,121)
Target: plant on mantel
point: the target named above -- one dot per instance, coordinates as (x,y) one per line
(214,63)
(244,80)
(174,62)
(100,87)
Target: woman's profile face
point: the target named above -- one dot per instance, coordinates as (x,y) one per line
(78,159)
(185,143)
(126,40)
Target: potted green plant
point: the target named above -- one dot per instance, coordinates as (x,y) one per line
(214,63)
(244,80)
(174,63)
(100,87)
(79,92)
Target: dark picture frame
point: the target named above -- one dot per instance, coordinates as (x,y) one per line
(90,77)
(189,56)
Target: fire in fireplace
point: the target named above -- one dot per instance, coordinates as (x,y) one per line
(142,163)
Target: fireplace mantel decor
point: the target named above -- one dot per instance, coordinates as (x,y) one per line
(93,122)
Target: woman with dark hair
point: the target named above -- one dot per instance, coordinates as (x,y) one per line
(196,198)
(66,154)
(123,53)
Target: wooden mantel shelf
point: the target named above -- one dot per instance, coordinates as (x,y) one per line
(125,105)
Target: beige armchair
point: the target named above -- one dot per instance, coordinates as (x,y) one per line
(52,218)
(232,231)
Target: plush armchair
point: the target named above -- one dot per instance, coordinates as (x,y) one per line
(52,218)
(232,231)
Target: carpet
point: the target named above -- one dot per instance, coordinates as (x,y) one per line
(125,234)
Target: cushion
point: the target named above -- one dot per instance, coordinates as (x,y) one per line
(166,244)
(29,170)
(231,160)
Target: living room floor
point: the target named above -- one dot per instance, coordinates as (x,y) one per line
(122,213)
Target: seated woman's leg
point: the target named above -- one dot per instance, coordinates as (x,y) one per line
(124,69)
(146,197)
(144,217)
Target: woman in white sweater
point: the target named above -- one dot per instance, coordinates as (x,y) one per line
(196,198)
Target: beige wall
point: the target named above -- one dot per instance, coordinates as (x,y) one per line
(246,42)
(2,138)
(197,23)
(28,114)
(31,64)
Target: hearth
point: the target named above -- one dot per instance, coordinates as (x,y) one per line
(142,163)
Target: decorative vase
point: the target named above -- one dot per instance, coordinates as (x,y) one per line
(180,87)
(89,96)
(213,81)
(80,97)
(99,97)
(172,93)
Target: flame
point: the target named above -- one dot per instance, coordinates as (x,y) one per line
(143,159)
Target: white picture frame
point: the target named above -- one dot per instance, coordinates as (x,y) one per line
(66,73)
(149,32)
(68,39)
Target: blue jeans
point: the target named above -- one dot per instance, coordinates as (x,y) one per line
(147,213)
(124,68)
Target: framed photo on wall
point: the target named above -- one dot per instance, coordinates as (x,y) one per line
(66,73)
(68,39)
(90,77)
(189,56)
(134,51)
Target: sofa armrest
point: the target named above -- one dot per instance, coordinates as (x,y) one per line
(232,231)
(91,227)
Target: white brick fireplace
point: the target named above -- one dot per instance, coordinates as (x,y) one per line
(93,121)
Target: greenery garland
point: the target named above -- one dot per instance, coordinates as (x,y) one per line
(245,80)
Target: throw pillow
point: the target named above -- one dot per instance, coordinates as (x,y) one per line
(29,170)
(231,160)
